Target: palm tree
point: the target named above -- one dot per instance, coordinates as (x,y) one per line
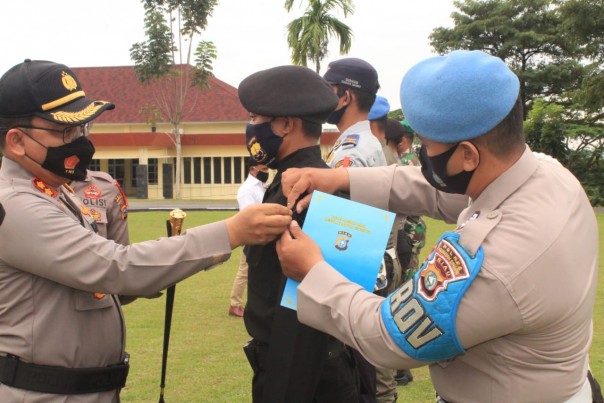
(308,36)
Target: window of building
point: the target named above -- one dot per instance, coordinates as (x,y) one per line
(238,169)
(153,165)
(197,170)
(227,170)
(207,170)
(217,163)
(117,169)
(186,170)
(95,165)
(133,167)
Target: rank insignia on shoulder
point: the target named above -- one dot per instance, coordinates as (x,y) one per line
(44,188)
(351,140)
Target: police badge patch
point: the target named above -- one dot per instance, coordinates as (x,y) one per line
(342,240)
(444,266)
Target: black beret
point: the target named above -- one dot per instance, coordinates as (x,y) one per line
(288,91)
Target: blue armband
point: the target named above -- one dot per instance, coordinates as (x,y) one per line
(420,315)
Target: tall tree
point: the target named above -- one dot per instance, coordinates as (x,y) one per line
(523,33)
(556,47)
(308,36)
(164,60)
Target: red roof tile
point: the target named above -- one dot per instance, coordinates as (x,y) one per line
(120,86)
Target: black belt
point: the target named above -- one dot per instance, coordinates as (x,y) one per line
(59,380)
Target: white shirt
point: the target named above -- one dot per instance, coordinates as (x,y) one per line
(250,192)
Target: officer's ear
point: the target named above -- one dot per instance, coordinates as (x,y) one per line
(14,144)
(284,126)
(471,155)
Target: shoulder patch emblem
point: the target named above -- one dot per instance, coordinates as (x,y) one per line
(92,192)
(120,198)
(44,188)
(445,266)
(345,163)
(351,140)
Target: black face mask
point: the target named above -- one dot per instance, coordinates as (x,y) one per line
(434,170)
(70,160)
(335,116)
(263,144)
(262,176)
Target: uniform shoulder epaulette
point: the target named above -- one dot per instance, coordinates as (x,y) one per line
(476,228)
(101,175)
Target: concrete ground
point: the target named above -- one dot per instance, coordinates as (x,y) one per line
(168,205)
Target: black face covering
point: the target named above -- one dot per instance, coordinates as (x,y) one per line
(262,176)
(335,116)
(70,160)
(434,170)
(263,144)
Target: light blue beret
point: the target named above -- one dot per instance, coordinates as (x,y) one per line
(459,96)
(379,109)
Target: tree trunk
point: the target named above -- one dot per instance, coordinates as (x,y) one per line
(177,194)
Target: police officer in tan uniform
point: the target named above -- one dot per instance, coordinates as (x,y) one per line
(493,310)
(62,336)
(107,203)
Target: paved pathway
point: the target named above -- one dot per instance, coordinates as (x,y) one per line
(143,205)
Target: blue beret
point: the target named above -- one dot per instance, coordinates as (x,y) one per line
(379,109)
(353,72)
(459,96)
(288,91)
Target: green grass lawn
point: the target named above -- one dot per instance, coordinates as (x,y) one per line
(206,361)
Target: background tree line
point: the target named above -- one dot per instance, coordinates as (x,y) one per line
(556,47)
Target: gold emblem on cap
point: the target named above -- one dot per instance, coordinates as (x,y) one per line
(68,81)
(76,117)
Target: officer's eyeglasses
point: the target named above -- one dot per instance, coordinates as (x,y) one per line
(70,133)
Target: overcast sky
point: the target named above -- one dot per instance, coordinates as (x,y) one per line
(250,35)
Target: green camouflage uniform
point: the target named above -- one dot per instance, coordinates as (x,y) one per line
(414,232)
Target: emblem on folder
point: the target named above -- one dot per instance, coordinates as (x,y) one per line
(342,240)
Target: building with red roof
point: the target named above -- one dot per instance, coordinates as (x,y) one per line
(135,144)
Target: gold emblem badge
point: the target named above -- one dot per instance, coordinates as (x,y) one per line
(68,81)
(342,240)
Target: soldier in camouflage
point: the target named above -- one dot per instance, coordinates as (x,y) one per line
(411,237)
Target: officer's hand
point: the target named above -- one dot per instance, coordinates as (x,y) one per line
(297,181)
(298,253)
(257,224)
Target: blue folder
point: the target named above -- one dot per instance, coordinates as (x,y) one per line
(352,237)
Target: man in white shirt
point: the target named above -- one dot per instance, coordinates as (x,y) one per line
(250,192)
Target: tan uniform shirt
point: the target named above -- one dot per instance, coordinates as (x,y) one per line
(526,320)
(107,204)
(54,271)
